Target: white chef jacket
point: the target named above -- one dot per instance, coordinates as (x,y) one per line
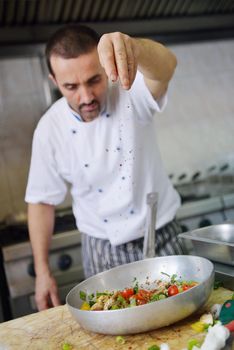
(111,164)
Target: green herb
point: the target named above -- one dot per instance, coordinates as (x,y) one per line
(122,301)
(218,284)
(135,286)
(161,296)
(132,302)
(166,274)
(67,346)
(154,347)
(154,297)
(114,307)
(172,278)
(83,295)
(120,340)
(192,343)
(91,296)
(233,296)
(103,293)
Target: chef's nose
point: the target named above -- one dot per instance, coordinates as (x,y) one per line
(86,95)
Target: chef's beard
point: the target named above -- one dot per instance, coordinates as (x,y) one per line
(89,111)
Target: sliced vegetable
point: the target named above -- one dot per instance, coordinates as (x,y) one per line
(134,296)
(136,285)
(120,340)
(67,346)
(127,293)
(154,347)
(85,306)
(173,290)
(83,295)
(198,326)
(192,343)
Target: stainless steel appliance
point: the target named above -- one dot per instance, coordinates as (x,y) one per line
(215,242)
(64,258)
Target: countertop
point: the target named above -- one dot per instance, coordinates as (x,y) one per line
(50,329)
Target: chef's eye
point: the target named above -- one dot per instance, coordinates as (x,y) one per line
(95,80)
(70,87)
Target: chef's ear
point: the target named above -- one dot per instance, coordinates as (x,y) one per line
(52,78)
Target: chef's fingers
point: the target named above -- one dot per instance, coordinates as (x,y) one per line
(55,299)
(107,56)
(120,42)
(42,302)
(131,61)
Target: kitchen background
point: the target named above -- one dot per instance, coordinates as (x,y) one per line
(195,131)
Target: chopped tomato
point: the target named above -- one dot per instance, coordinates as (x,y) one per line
(173,290)
(144,294)
(141,302)
(193,284)
(186,287)
(127,293)
(142,297)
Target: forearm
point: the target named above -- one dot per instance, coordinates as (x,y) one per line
(41,226)
(155,61)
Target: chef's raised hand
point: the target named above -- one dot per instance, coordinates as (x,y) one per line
(46,295)
(118,55)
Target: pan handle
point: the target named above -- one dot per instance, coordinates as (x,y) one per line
(149,238)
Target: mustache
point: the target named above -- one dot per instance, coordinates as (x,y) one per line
(88,104)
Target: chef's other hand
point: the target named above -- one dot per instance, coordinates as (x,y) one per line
(46,292)
(118,54)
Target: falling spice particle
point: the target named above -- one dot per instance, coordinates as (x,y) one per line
(74,131)
(105,220)
(123,178)
(100,190)
(86,165)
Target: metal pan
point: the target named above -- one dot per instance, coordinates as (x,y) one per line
(149,316)
(214,242)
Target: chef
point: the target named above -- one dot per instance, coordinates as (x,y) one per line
(99,141)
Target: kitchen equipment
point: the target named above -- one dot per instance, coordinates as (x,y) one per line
(149,239)
(150,316)
(17,264)
(215,242)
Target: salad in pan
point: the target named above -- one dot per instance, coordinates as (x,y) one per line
(136,295)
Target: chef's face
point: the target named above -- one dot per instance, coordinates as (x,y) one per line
(82,81)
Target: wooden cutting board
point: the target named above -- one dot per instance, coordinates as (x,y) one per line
(50,329)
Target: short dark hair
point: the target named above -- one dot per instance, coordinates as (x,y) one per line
(70,41)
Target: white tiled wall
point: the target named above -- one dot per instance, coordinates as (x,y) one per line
(196,129)
(22,102)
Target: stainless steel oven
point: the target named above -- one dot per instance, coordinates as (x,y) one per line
(64,259)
